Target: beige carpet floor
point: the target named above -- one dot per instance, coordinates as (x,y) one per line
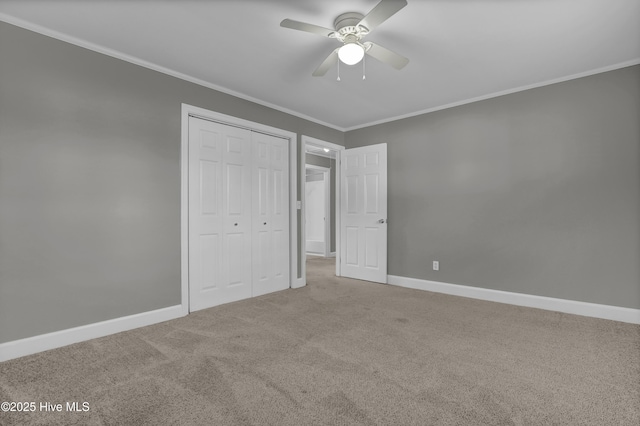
(342,352)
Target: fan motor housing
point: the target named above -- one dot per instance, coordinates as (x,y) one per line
(347,28)
(349,19)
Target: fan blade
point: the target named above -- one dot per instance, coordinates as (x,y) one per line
(385,55)
(383,11)
(326,64)
(310,28)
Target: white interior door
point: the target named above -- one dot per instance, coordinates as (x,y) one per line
(219,214)
(363,250)
(270,214)
(316,211)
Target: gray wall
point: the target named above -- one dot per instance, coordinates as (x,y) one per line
(329,163)
(90,182)
(535,192)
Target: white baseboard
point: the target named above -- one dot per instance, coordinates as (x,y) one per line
(614,313)
(57,339)
(331,255)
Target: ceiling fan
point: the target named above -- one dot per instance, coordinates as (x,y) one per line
(350,28)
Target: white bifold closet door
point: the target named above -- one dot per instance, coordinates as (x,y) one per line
(270,213)
(238,214)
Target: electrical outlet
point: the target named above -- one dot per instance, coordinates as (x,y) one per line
(436,265)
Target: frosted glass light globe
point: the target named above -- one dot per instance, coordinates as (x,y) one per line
(351,53)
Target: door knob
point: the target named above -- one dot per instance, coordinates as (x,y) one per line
(383,221)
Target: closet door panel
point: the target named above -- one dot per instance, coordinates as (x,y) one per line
(219,214)
(270,210)
(280,212)
(236,199)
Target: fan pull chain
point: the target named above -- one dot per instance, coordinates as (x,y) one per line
(364,68)
(338,69)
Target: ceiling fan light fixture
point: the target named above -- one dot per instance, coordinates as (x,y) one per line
(351,53)
(349,29)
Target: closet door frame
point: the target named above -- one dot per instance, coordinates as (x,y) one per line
(294,176)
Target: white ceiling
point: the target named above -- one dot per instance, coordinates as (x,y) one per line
(459,50)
